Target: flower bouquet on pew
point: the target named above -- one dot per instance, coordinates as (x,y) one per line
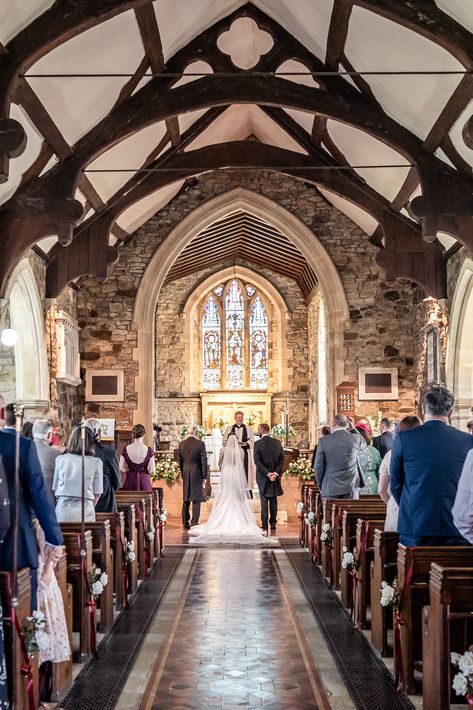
(300,468)
(391,595)
(310,518)
(326,535)
(463,681)
(98,580)
(300,509)
(167,469)
(34,633)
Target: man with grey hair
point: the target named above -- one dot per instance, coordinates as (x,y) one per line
(47,455)
(111,472)
(384,442)
(337,471)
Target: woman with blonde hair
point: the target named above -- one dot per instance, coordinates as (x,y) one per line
(67,482)
(137,462)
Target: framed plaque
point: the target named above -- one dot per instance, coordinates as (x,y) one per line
(432,359)
(104,385)
(377,383)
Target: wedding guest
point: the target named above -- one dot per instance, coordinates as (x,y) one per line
(47,454)
(27,429)
(469,426)
(51,604)
(67,482)
(192,458)
(384,488)
(325,431)
(33,499)
(369,459)
(58,438)
(462,510)
(111,472)
(384,442)
(336,466)
(426,464)
(269,461)
(137,462)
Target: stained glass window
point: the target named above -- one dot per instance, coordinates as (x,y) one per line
(235,336)
(258,345)
(211,346)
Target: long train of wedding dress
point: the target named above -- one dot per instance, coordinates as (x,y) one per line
(231,518)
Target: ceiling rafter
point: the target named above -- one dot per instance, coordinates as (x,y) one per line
(127,89)
(337,33)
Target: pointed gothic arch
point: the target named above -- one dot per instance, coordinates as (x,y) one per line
(159,265)
(459,368)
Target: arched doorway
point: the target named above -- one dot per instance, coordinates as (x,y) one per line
(296,231)
(460,346)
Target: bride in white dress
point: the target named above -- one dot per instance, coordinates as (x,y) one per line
(231,518)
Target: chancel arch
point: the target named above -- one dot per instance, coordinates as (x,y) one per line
(163,259)
(460,346)
(26,317)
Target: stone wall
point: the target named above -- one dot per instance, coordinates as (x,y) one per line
(381,329)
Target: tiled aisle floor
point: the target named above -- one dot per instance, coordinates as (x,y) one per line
(235,644)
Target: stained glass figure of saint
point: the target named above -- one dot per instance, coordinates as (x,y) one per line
(258,345)
(235,336)
(211,346)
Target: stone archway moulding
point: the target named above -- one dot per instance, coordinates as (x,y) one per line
(164,257)
(459,369)
(26,317)
(280,314)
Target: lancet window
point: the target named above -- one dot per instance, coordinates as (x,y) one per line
(234,338)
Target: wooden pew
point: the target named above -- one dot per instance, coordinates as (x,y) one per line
(128,510)
(142,502)
(80,614)
(17,682)
(158,497)
(117,544)
(316,543)
(103,559)
(309,535)
(384,568)
(302,523)
(416,596)
(365,529)
(447,627)
(62,672)
(344,518)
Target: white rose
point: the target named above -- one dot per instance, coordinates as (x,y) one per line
(38,616)
(104,579)
(131,546)
(311,517)
(326,527)
(131,557)
(324,536)
(348,560)
(454,658)
(97,589)
(98,571)
(299,507)
(387,595)
(460,684)
(465,663)
(42,640)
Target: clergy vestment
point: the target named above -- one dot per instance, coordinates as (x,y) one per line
(244,434)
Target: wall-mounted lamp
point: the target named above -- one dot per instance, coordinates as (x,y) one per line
(9,337)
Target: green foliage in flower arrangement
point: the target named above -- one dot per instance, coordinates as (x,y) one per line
(300,468)
(166,469)
(185,430)
(279,431)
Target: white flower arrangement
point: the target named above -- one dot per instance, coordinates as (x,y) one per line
(163,515)
(350,559)
(390,595)
(326,535)
(150,533)
(310,518)
(34,633)
(130,552)
(98,580)
(199,434)
(463,681)
(166,469)
(300,508)
(279,431)
(300,468)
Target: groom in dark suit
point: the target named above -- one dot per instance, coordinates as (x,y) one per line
(192,458)
(269,460)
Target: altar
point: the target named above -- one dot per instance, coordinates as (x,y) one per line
(218,408)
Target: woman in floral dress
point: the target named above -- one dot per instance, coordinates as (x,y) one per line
(370,461)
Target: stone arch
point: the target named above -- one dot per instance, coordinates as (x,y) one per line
(459,369)
(280,313)
(31,362)
(217,208)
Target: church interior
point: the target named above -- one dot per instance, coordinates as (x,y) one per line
(212,206)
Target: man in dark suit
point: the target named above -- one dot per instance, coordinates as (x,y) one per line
(111,473)
(337,471)
(426,465)
(384,442)
(269,460)
(192,458)
(34,499)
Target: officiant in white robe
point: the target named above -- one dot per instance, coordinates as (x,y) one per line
(246,439)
